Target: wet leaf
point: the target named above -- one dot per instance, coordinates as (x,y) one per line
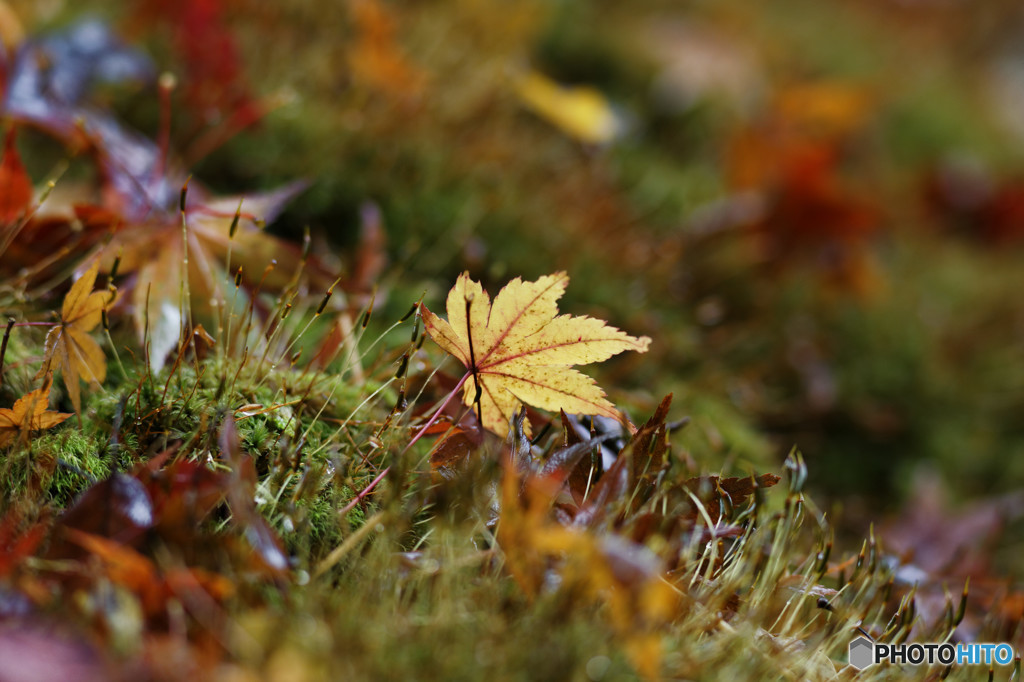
(646,452)
(518,350)
(154,587)
(124,566)
(49,81)
(118,508)
(452,450)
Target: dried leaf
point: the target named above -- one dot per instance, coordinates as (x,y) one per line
(29,414)
(69,344)
(519,352)
(155,249)
(713,491)
(266,551)
(646,452)
(451,450)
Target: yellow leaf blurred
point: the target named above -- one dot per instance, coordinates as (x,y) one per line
(581,112)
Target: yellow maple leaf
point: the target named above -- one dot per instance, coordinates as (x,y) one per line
(29,414)
(519,350)
(69,343)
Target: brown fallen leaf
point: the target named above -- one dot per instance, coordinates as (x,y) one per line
(29,414)
(69,343)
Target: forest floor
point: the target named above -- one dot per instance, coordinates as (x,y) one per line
(295,290)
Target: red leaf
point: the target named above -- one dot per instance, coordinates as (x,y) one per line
(16,194)
(183,493)
(118,508)
(213,82)
(15,546)
(268,554)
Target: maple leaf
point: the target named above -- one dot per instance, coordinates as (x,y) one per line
(29,414)
(519,351)
(168,264)
(69,343)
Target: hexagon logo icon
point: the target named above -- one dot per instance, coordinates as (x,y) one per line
(862,653)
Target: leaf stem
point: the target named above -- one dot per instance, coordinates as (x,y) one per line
(472,358)
(3,347)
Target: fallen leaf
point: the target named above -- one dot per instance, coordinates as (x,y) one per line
(16,545)
(17,187)
(182,493)
(118,508)
(375,57)
(716,492)
(266,553)
(452,450)
(48,81)
(156,249)
(213,81)
(29,414)
(69,342)
(519,351)
(581,112)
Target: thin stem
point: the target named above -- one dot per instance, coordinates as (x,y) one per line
(3,347)
(419,434)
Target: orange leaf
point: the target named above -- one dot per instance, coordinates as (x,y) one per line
(69,343)
(520,351)
(376,59)
(29,414)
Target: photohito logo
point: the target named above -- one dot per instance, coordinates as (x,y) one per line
(864,653)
